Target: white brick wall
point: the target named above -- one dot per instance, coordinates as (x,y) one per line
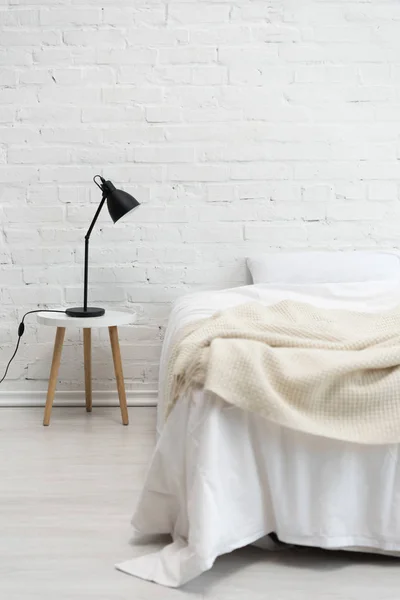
(241,125)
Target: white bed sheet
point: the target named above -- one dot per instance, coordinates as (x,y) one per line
(221,478)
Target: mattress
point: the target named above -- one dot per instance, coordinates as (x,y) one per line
(221,478)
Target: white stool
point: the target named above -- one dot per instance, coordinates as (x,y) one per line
(112,319)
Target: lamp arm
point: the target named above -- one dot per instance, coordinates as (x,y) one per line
(86,265)
(96,216)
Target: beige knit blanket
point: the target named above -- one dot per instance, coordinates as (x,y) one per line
(332,373)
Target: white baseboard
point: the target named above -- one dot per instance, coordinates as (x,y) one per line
(76,398)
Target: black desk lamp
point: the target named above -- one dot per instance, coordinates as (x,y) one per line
(119,204)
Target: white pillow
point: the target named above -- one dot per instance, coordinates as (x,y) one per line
(324,267)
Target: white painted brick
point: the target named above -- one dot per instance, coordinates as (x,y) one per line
(12,195)
(103,293)
(187,54)
(112,114)
(159,233)
(165,255)
(356,211)
(52,56)
(210,115)
(30,38)
(212,233)
(166,74)
(275,235)
(129,274)
(15,236)
(100,155)
(41,194)
(77,16)
(156,293)
(37,214)
(260,170)
(94,75)
(166,274)
(192,97)
(56,95)
(38,155)
(372,74)
(18,96)
(5,256)
(134,174)
(34,76)
(350,33)
(156,37)
(226,276)
(18,16)
(244,56)
(62,76)
(209,75)
(198,13)
(13,173)
(77,213)
(104,255)
(378,170)
(11,275)
(15,57)
(260,75)
(383,190)
(167,154)
(56,236)
(197,173)
(39,256)
(8,77)
(137,16)
(188,194)
(269,32)
(7,114)
(256,11)
(31,295)
(96,37)
(83,134)
(164,214)
(221,193)
(334,235)
(49,114)
(317,193)
(345,190)
(326,171)
(78,174)
(231,34)
(129,134)
(127,56)
(52,275)
(123,95)
(327,73)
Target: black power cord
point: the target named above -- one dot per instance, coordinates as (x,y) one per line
(21,329)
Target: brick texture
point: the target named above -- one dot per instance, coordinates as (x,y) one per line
(241,126)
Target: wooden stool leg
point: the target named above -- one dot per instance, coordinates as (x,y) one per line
(87,359)
(113,331)
(58,344)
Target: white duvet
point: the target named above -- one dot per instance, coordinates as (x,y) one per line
(221,478)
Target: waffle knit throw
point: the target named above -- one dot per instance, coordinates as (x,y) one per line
(332,373)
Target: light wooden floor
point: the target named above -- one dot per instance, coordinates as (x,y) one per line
(67,493)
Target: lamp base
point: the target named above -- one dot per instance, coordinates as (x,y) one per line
(91,311)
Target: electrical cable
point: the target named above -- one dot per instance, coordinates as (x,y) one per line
(21,329)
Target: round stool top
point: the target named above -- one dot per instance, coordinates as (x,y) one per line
(111,318)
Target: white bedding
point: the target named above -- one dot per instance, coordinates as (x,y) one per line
(221,478)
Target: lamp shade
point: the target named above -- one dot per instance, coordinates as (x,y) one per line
(119,203)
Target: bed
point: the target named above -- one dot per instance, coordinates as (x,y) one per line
(221,478)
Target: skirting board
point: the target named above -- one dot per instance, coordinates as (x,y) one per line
(77,398)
